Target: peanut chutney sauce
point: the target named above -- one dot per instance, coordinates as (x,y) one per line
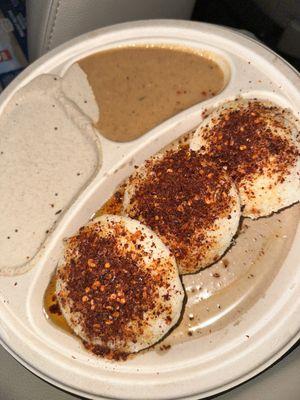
(138,87)
(218,296)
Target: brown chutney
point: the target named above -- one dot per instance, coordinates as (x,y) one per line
(139,86)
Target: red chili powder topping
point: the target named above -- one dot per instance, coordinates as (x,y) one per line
(111,288)
(246,141)
(180,196)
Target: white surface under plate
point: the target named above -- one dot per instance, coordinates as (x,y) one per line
(197,368)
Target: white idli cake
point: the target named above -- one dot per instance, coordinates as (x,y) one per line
(189,202)
(257,143)
(118,286)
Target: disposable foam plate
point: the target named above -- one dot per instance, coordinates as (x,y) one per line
(197,368)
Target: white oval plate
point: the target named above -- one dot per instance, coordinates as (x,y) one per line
(198,368)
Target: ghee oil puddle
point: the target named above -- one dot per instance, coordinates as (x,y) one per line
(51,308)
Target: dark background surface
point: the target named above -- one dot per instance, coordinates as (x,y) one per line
(243,14)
